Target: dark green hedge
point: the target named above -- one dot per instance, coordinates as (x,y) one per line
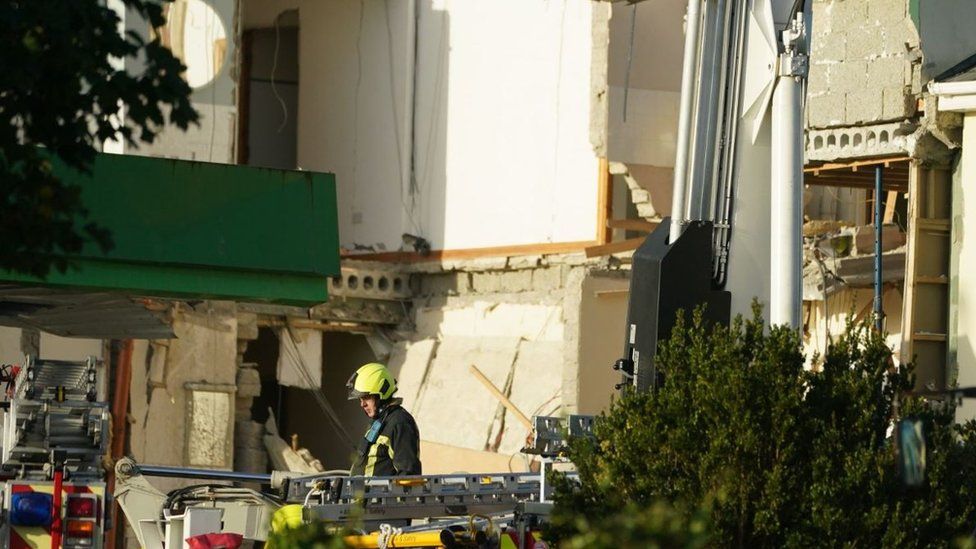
(742,447)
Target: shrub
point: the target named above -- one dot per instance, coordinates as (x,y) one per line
(775,455)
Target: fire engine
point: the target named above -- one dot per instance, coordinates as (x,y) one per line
(55,434)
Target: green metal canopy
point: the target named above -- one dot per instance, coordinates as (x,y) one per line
(196,230)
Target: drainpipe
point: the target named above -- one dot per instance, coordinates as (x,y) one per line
(688,73)
(786,193)
(120,410)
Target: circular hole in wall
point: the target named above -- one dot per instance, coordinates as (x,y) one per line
(367,283)
(352,282)
(383,284)
(195,33)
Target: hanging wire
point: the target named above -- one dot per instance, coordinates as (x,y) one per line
(274,70)
(323,403)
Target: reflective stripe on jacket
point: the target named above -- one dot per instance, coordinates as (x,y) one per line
(396,450)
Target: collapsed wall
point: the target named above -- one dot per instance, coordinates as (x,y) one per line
(517,320)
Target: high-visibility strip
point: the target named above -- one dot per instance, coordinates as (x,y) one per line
(373,455)
(18,542)
(30,537)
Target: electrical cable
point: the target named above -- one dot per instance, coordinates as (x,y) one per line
(415,227)
(274,70)
(309,380)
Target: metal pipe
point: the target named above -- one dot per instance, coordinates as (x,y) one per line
(120,407)
(786,203)
(688,73)
(878,306)
(708,111)
(211,474)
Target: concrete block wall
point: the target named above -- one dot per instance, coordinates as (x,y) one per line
(865,64)
(518,320)
(204,351)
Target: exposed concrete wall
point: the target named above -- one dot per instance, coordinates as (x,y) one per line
(603,321)
(519,321)
(68,348)
(204,351)
(964,279)
(501,120)
(865,65)
(10,350)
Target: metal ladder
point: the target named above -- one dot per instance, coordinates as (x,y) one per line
(415,497)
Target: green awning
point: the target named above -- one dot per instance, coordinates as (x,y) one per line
(196,230)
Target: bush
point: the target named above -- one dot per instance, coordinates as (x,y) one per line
(773,454)
(314,535)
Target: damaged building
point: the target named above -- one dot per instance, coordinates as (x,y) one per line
(870,115)
(496,163)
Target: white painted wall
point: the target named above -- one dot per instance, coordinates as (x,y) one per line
(503,107)
(213,138)
(648,133)
(502,152)
(965,278)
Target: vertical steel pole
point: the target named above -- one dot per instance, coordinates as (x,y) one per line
(786,179)
(689,73)
(878,309)
(786,201)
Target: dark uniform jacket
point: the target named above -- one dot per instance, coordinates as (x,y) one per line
(395,449)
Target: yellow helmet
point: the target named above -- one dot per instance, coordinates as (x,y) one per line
(371,379)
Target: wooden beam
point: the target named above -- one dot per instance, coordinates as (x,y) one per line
(890,202)
(853,166)
(471,253)
(854,184)
(604,202)
(614,247)
(611,293)
(501,397)
(633,225)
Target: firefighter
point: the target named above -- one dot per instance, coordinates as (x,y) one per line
(391,446)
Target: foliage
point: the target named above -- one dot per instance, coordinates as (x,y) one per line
(314,535)
(60,91)
(657,526)
(779,456)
